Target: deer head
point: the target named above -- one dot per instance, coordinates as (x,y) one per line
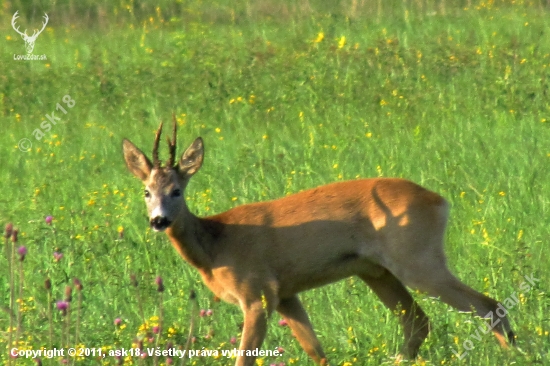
(29,40)
(164,186)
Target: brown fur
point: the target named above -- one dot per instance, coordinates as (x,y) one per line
(388,232)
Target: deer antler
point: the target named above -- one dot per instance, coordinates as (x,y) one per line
(172,143)
(13,19)
(35,34)
(24,34)
(156,162)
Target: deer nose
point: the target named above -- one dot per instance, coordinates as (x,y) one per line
(159,223)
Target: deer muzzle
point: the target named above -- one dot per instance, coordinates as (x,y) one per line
(159,223)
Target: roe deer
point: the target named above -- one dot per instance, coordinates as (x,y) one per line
(388,232)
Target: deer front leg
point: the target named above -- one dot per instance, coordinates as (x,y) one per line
(294,313)
(255,327)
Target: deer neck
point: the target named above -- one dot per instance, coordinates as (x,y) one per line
(192,240)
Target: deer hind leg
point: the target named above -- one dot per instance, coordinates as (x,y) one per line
(439,281)
(294,313)
(395,296)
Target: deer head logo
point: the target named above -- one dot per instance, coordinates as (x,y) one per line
(29,40)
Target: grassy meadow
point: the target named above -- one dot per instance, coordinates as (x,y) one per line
(287,95)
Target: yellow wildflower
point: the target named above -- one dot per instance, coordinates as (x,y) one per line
(320,37)
(342,42)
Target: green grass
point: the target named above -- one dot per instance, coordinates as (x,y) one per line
(454,99)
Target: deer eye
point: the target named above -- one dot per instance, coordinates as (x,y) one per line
(147,193)
(176,193)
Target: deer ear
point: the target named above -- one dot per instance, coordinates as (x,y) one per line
(191,160)
(136,161)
